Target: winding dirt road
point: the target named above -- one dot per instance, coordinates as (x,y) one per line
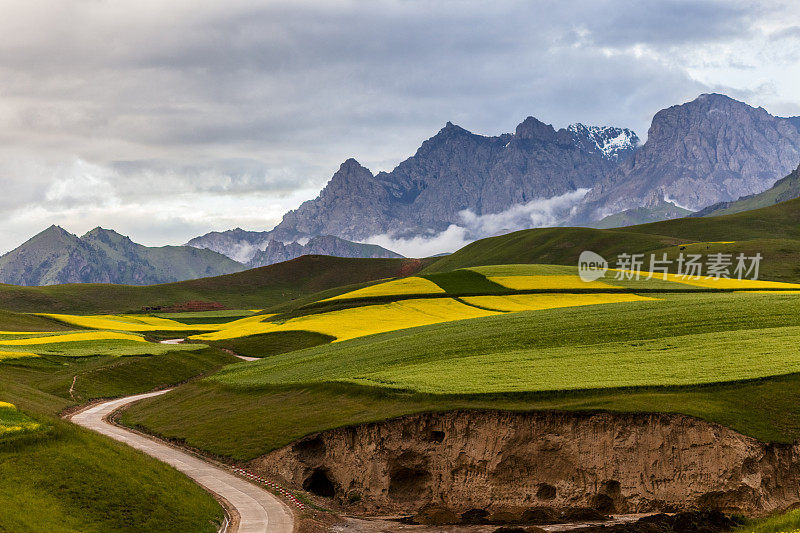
(259,510)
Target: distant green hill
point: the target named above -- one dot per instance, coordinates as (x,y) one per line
(783,190)
(773,231)
(257,288)
(642,215)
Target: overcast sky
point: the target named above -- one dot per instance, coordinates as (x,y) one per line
(168,119)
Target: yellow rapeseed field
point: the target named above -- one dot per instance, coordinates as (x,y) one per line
(360,321)
(251,325)
(4,355)
(527,283)
(725,283)
(12,421)
(123,322)
(142,323)
(536,302)
(403,286)
(710,282)
(73,337)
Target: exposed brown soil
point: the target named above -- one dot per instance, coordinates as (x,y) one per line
(687,522)
(192,306)
(535,468)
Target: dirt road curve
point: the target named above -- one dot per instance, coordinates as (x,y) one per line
(259,510)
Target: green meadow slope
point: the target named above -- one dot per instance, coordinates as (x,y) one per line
(783,190)
(63,478)
(669,354)
(257,288)
(772,231)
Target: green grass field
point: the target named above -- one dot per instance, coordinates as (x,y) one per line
(63,478)
(15,424)
(72,480)
(276,343)
(629,356)
(667,327)
(119,348)
(724,356)
(253,289)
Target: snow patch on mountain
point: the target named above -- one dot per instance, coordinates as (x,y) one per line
(614,143)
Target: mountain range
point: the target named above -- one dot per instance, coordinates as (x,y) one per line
(259,248)
(709,150)
(713,155)
(457,171)
(454,174)
(56,256)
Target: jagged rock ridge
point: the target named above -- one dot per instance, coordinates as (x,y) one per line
(457,170)
(784,189)
(277,252)
(712,149)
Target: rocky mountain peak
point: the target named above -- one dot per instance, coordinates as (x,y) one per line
(351,176)
(533,128)
(445,136)
(52,236)
(451,129)
(350,165)
(99,232)
(712,149)
(108,237)
(54,229)
(707,111)
(351,170)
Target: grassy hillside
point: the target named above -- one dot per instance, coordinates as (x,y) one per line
(732,359)
(72,480)
(10,321)
(257,288)
(773,231)
(560,246)
(779,221)
(67,479)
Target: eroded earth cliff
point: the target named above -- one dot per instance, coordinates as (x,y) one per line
(506,464)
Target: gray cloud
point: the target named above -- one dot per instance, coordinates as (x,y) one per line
(212,100)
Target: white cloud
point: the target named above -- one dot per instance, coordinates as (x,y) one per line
(80,183)
(669,199)
(449,240)
(534,214)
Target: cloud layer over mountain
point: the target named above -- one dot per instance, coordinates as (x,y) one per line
(166,120)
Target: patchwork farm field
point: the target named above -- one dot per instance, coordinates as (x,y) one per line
(57,477)
(605,348)
(511,337)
